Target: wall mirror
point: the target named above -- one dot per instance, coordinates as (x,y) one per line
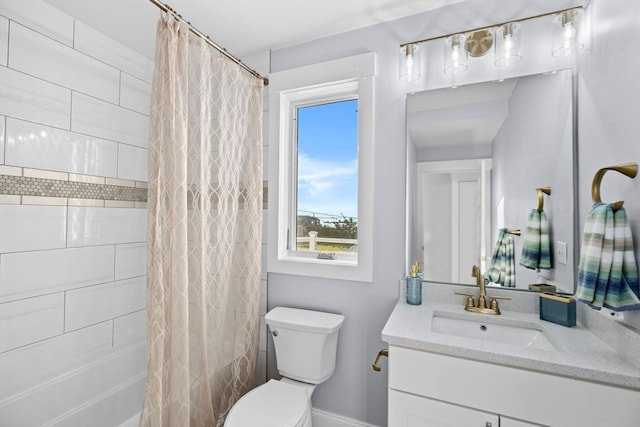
(476,156)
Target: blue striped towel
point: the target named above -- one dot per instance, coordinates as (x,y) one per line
(607,272)
(536,249)
(502,269)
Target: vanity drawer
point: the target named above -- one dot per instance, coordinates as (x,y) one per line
(408,410)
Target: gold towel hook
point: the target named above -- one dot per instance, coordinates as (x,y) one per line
(515,232)
(381,353)
(540,191)
(627,169)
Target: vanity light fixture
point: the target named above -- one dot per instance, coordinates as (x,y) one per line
(478,41)
(507,44)
(409,62)
(455,54)
(565,31)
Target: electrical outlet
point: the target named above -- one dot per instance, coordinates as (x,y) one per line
(561,252)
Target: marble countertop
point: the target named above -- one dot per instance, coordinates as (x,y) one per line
(582,354)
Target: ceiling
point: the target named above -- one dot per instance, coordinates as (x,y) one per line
(243,27)
(467,115)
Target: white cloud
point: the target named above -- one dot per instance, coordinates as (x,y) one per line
(316,177)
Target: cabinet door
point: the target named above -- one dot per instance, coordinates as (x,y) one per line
(408,410)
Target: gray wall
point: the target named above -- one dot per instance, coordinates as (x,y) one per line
(609,111)
(608,114)
(534,148)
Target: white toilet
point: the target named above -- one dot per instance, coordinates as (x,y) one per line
(305,343)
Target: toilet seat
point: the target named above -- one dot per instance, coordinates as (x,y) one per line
(274,404)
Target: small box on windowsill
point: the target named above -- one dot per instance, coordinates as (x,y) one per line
(558,308)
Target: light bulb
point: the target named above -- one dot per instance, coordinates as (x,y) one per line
(569,30)
(455,56)
(565,33)
(508,43)
(409,63)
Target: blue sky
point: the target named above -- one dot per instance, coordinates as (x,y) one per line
(328,158)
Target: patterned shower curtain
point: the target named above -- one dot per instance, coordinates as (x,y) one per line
(205,212)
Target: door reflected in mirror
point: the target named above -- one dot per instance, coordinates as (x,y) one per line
(454,216)
(477,154)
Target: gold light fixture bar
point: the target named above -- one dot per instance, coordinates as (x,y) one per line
(488,27)
(167,9)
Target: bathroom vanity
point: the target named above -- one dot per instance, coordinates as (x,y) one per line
(449,367)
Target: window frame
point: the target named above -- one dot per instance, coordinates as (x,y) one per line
(342,79)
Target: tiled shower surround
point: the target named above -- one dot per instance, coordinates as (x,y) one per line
(73,221)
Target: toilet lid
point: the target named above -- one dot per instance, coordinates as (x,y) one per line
(274,404)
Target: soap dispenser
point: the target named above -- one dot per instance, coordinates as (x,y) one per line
(414,285)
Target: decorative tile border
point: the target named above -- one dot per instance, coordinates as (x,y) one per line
(43,187)
(40,187)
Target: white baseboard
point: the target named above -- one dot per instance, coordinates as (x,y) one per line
(318,418)
(327,419)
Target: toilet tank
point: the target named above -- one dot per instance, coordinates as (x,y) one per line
(305,341)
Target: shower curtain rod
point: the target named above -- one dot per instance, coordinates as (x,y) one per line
(167,9)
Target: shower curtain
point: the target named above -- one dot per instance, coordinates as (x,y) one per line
(205,213)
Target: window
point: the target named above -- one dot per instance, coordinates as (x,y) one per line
(320,181)
(326,195)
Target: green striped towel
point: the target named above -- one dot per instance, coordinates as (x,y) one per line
(607,272)
(502,269)
(536,249)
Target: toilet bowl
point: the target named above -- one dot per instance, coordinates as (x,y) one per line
(306,344)
(274,404)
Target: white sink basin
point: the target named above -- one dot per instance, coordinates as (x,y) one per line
(522,336)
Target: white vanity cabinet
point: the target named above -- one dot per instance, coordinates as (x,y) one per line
(431,390)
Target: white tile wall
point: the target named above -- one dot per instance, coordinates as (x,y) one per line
(79,267)
(130,329)
(45,58)
(71,392)
(133,162)
(26,367)
(32,228)
(103,226)
(2,138)
(4,40)
(131,260)
(43,147)
(26,97)
(66,264)
(102,119)
(135,93)
(99,46)
(41,17)
(107,412)
(57,270)
(94,304)
(29,320)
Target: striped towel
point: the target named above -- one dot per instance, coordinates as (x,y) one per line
(607,272)
(502,269)
(536,249)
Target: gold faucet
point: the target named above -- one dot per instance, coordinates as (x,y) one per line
(481,306)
